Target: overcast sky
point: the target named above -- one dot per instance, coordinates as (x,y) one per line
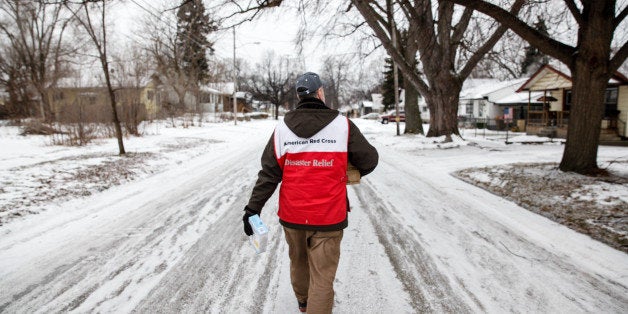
(274,30)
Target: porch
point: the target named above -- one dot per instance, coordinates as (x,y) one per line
(551,117)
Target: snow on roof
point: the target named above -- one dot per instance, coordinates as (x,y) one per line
(368,104)
(519,98)
(223,87)
(210,90)
(480,88)
(475,88)
(473,83)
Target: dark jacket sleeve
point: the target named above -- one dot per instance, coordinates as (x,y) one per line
(267,179)
(361,153)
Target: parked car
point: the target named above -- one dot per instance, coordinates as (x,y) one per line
(371,116)
(391,117)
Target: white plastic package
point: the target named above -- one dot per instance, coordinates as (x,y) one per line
(259,238)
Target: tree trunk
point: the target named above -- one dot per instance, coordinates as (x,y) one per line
(590,72)
(199,108)
(591,67)
(585,120)
(181,99)
(45,108)
(114,109)
(414,124)
(443,102)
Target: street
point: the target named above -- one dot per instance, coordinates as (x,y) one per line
(418,240)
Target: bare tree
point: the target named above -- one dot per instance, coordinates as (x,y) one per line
(34,30)
(591,65)
(336,73)
(91,16)
(168,56)
(176,37)
(132,71)
(365,81)
(14,78)
(439,38)
(273,80)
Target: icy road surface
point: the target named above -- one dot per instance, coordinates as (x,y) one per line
(418,240)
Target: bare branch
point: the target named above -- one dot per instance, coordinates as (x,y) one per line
(619,58)
(462,26)
(371,18)
(571,5)
(490,43)
(445,17)
(257,9)
(554,48)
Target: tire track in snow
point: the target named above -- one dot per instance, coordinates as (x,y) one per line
(429,291)
(169,217)
(489,259)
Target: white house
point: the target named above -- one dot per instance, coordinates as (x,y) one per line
(378,100)
(366,106)
(494,99)
(473,102)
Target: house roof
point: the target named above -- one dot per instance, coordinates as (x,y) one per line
(548,77)
(545,78)
(478,88)
(486,87)
(210,90)
(545,98)
(519,98)
(222,87)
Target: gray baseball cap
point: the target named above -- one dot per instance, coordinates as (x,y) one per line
(308,83)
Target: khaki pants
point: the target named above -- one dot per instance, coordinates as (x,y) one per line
(314,259)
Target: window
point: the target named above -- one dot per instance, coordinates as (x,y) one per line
(567,101)
(481,111)
(149,95)
(469,109)
(58,96)
(611,95)
(610,102)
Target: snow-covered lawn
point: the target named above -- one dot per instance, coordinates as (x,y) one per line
(36,175)
(160,230)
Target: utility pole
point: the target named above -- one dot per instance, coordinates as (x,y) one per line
(393,32)
(235,81)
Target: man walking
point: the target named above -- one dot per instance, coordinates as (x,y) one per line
(309,153)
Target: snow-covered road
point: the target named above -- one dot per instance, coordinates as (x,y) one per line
(418,240)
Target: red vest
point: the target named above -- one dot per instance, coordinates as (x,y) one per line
(313,189)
